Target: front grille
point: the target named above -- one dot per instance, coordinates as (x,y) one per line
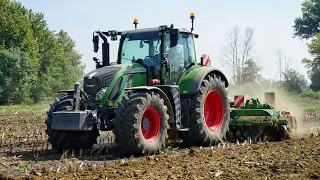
(105,80)
(91,86)
(98,79)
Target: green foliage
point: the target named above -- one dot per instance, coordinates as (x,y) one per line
(169,149)
(307,25)
(250,72)
(15,76)
(294,81)
(308,93)
(313,65)
(23,167)
(35,61)
(15,28)
(311,107)
(38,116)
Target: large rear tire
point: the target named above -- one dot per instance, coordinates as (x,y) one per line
(209,114)
(141,123)
(68,140)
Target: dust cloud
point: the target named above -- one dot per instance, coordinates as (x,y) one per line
(282,101)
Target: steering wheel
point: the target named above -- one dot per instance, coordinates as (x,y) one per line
(154,60)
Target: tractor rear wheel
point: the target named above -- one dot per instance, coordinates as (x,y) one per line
(68,140)
(141,123)
(209,113)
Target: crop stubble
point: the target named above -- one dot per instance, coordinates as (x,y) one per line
(23,140)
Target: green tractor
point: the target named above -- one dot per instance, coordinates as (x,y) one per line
(256,121)
(155,89)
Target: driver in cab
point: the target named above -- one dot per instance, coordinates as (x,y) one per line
(176,57)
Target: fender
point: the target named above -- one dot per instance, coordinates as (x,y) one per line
(68,91)
(191,81)
(161,93)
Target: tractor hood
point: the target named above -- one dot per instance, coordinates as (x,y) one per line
(100,78)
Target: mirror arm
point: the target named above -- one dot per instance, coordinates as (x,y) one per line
(103,36)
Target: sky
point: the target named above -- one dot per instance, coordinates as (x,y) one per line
(271,20)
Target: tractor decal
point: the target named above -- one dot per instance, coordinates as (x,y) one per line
(135,70)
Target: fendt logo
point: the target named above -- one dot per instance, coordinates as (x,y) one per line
(239,100)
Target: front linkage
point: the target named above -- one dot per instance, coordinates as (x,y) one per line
(85,116)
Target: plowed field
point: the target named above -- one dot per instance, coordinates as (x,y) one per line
(25,154)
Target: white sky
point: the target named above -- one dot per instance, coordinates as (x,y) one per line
(272,21)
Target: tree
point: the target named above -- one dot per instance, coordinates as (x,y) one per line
(307,26)
(294,81)
(283,63)
(15,76)
(73,58)
(238,51)
(35,61)
(313,65)
(15,29)
(250,72)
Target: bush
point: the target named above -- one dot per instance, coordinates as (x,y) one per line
(310,94)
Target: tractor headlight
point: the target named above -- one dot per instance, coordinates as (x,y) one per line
(100,94)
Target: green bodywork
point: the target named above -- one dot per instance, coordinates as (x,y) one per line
(140,79)
(129,79)
(253,113)
(186,81)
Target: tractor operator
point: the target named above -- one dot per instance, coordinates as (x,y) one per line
(176,59)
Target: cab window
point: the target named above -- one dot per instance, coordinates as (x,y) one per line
(191,48)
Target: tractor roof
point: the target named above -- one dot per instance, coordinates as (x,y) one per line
(145,30)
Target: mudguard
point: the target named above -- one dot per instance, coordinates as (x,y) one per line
(191,81)
(161,93)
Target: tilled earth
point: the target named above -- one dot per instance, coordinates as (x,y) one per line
(26,154)
(296,158)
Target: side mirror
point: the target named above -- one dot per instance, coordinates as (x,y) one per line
(95,41)
(174,36)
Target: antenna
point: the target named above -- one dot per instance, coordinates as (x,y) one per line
(135,22)
(192,20)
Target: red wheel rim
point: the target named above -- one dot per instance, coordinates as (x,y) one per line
(213,110)
(150,124)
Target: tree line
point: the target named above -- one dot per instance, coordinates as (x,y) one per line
(238,54)
(35,62)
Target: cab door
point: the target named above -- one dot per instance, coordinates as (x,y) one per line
(178,58)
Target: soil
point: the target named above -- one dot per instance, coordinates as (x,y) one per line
(25,154)
(296,158)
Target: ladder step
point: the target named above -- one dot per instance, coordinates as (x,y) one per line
(184,129)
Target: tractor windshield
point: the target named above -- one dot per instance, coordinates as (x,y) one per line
(143,45)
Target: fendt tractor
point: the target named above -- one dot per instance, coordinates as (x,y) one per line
(259,121)
(156,88)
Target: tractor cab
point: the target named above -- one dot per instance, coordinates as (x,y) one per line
(165,52)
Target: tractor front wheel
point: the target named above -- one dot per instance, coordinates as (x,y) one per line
(68,140)
(209,114)
(141,123)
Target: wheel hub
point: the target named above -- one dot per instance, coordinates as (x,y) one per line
(145,124)
(150,124)
(213,110)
